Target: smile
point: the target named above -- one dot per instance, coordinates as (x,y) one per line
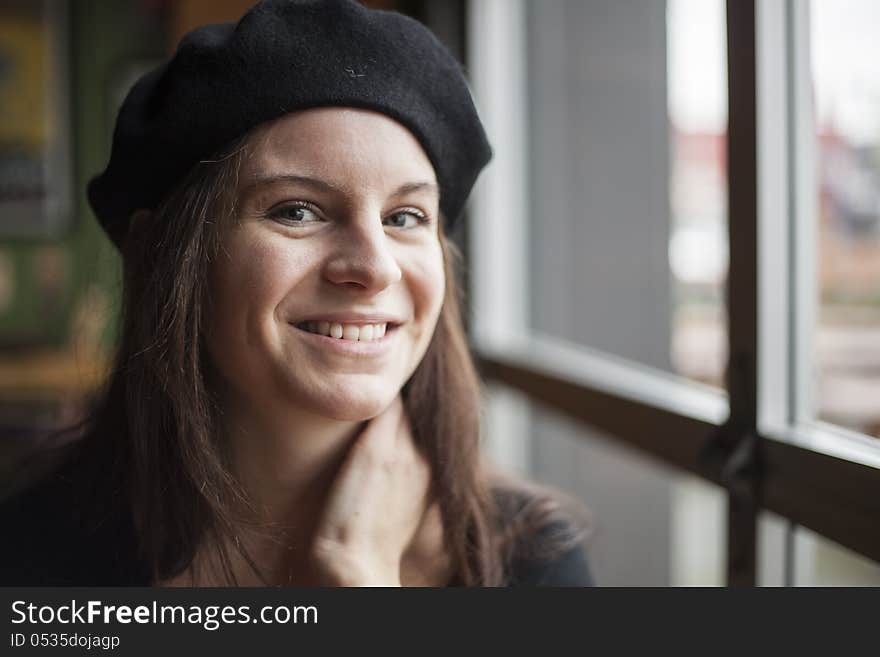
(354,340)
(352,332)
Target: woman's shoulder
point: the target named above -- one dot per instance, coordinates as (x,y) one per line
(543,535)
(50,539)
(36,526)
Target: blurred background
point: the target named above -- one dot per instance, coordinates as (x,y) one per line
(624,123)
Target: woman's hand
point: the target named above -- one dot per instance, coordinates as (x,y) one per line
(375,507)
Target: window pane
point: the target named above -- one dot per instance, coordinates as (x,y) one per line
(651,526)
(846,76)
(820,562)
(627,124)
(773,553)
(698,251)
(699,530)
(791,555)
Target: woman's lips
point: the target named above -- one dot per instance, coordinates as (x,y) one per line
(349,347)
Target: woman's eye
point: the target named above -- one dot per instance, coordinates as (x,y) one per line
(297,213)
(405,219)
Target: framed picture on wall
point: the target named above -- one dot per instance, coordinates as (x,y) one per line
(35,151)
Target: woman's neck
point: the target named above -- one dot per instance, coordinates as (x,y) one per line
(287,465)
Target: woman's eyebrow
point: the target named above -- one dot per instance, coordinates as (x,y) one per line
(261,180)
(408,188)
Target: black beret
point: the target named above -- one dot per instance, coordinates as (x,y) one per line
(284,56)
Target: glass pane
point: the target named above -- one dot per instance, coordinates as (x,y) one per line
(699,530)
(773,543)
(820,562)
(698,250)
(791,555)
(651,526)
(846,77)
(627,125)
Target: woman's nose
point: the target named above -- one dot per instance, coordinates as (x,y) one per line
(364,258)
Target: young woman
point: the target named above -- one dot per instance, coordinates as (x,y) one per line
(293,401)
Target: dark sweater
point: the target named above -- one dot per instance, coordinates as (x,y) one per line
(46,543)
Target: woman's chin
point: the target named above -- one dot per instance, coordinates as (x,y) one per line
(353,407)
(360,414)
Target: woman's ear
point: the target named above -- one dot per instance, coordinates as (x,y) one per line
(137,223)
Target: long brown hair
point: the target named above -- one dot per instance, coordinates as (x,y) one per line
(154,436)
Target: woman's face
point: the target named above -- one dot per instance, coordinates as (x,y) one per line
(327,288)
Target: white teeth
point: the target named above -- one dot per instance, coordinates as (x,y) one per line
(352,332)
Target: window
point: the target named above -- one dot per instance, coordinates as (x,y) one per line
(596,186)
(599,249)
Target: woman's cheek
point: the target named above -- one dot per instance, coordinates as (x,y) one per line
(269,267)
(431,284)
(250,280)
